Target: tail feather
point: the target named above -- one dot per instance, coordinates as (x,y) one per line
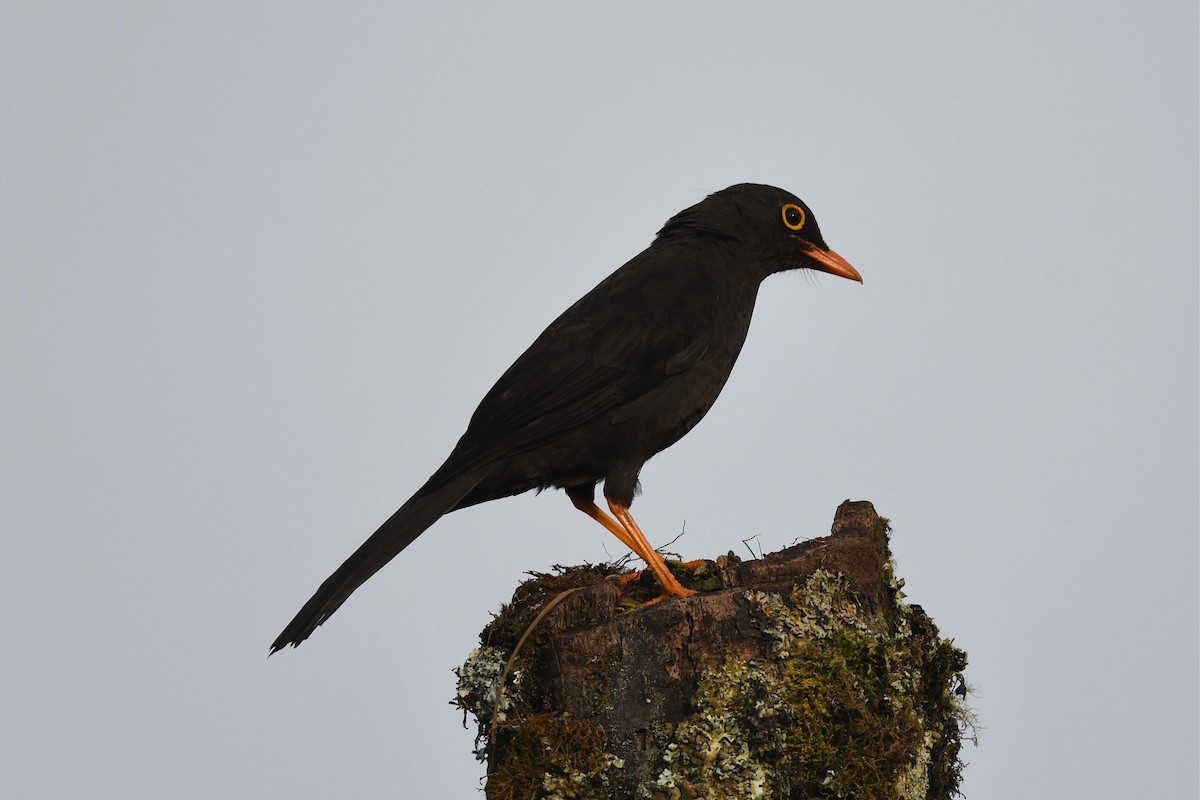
(414,518)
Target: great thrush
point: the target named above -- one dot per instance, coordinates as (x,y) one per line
(621,375)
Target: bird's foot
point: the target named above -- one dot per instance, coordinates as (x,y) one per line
(668,595)
(641,584)
(626,578)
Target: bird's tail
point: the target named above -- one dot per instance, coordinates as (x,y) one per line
(414,517)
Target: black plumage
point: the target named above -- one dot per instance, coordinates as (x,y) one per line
(621,375)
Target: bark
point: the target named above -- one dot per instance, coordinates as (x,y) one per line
(802,674)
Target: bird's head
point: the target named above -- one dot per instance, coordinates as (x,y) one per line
(775,226)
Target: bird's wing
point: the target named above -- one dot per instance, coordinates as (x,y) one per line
(627,338)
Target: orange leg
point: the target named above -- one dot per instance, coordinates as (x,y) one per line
(589,507)
(641,545)
(632,537)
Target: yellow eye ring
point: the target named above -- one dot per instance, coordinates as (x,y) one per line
(793,216)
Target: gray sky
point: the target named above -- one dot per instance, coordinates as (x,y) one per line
(261,261)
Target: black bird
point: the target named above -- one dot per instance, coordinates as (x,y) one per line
(621,375)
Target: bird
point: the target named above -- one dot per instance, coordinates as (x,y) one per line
(618,377)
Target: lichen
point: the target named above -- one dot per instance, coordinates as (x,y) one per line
(532,755)
(552,757)
(849,700)
(478,686)
(478,679)
(715,753)
(836,712)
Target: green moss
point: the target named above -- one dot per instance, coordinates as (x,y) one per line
(847,704)
(535,755)
(507,626)
(703,576)
(716,753)
(551,758)
(838,711)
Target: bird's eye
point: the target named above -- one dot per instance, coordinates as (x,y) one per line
(793,216)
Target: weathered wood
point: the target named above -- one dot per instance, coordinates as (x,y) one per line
(802,674)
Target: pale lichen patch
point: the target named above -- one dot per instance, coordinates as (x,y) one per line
(837,710)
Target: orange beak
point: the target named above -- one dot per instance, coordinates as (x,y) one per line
(831,262)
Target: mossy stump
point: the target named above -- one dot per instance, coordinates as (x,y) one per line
(802,674)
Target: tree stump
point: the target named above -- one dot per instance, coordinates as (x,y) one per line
(802,674)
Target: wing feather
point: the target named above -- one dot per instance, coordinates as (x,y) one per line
(616,345)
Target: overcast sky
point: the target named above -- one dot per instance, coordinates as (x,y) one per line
(261,260)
